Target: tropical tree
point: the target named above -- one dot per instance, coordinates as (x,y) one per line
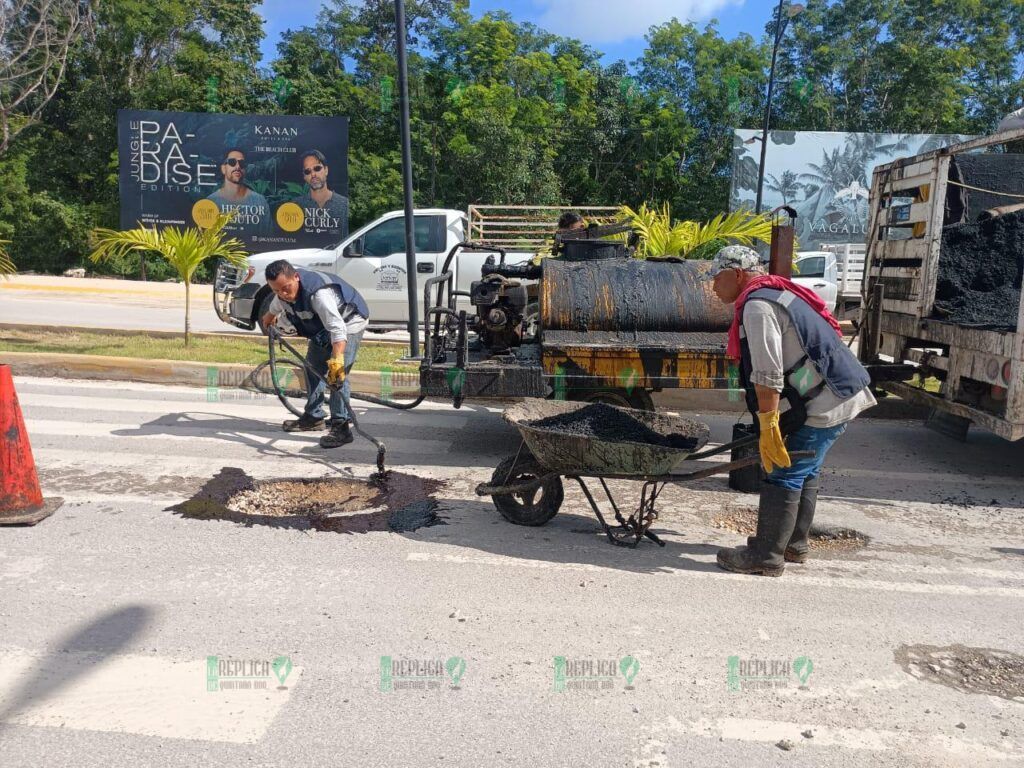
(184,249)
(787,186)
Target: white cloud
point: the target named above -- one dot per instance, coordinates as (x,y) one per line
(612,21)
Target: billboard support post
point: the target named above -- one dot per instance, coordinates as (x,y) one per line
(410,234)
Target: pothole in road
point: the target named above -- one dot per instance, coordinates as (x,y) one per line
(823,538)
(400,503)
(968,670)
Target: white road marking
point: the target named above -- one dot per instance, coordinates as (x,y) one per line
(670,569)
(144,695)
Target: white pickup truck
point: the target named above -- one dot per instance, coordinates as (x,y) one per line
(836,273)
(372,259)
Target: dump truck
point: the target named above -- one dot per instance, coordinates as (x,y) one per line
(942,291)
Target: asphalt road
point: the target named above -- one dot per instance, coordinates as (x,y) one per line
(118,304)
(113,605)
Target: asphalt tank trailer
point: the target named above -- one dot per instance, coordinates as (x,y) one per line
(592,324)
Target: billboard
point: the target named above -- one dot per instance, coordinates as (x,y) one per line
(825,177)
(284,178)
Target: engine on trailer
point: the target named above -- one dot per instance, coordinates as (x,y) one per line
(500,301)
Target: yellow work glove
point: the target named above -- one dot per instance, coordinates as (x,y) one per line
(336,371)
(773,449)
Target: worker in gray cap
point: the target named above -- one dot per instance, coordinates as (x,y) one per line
(789,348)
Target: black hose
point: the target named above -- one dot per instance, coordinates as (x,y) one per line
(273,335)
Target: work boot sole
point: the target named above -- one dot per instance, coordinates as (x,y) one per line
(753,569)
(295,426)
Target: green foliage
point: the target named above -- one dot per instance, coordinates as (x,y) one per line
(661,236)
(506,113)
(183,249)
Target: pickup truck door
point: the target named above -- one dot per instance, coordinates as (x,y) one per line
(375,263)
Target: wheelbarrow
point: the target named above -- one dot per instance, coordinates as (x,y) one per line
(634,445)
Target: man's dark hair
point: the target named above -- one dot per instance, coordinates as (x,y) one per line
(227,152)
(277,268)
(568,219)
(313,153)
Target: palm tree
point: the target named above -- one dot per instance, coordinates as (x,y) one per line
(787,186)
(184,249)
(6,265)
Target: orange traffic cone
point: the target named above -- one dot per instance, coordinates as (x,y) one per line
(21,500)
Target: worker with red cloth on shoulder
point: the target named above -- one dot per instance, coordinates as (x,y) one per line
(789,348)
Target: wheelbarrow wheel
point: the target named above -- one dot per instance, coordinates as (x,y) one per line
(533,508)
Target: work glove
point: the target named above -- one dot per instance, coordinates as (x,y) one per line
(773,449)
(336,371)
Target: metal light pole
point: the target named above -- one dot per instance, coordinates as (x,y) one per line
(780,30)
(410,233)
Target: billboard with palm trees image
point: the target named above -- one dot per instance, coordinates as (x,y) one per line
(824,176)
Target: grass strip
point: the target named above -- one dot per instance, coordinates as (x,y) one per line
(202,349)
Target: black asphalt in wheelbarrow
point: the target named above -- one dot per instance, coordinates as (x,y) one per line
(587,440)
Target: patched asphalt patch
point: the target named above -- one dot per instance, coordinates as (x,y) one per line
(823,538)
(400,503)
(968,670)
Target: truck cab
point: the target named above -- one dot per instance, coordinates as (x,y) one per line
(372,259)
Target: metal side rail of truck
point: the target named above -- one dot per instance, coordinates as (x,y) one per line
(943,285)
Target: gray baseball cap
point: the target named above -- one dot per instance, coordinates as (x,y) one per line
(733,257)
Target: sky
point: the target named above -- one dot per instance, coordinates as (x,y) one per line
(615,27)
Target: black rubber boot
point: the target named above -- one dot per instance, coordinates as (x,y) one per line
(340,434)
(798,547)
(776,518)
(303,424)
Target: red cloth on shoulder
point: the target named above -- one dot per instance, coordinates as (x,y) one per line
(779,284)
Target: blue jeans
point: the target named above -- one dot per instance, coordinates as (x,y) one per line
(317,354)
(806,438)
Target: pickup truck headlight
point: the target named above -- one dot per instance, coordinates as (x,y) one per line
(248,275)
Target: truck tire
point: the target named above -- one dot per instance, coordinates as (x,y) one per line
(637,398)
(526,509)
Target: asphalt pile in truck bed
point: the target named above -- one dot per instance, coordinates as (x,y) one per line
(980,268)
(607,423)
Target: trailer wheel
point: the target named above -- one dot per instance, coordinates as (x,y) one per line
(637,398)
(534,508)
